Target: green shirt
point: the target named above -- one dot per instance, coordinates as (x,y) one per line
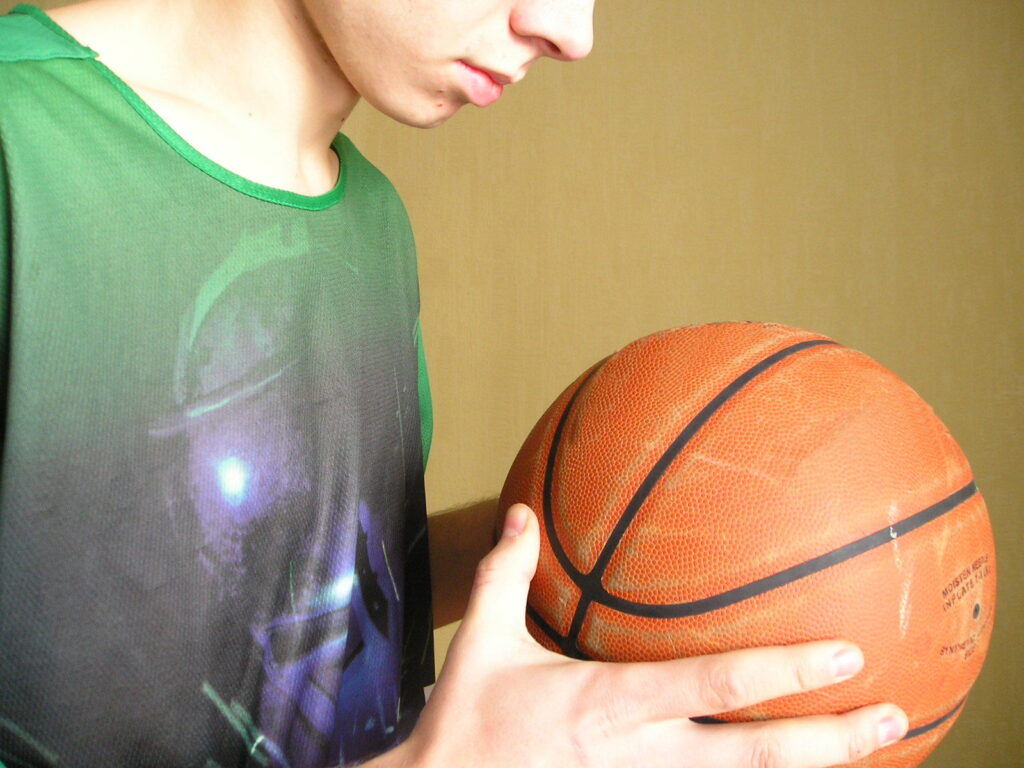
(212,527)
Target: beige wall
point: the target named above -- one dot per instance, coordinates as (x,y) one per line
(856,168)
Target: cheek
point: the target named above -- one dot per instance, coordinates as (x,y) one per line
(374,61)
(402,64)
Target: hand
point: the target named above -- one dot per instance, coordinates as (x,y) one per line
(503,700)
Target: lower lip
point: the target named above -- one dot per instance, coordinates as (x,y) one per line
(479,86)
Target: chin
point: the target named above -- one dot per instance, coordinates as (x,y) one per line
(426,114)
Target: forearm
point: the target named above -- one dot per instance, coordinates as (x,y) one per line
(459,538)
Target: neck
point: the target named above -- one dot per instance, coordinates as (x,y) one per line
(255,72)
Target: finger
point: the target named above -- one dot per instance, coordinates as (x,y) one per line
(805,742)
(711,685)
(502,582)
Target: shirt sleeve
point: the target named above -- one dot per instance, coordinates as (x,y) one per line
(426,402)
(6,253)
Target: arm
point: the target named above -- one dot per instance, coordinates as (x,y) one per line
(459,539)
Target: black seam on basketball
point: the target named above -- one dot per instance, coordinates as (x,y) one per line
(912,733)
(684,437)
(549,472)
(789,575)
(590,583)
(566,646)
(578,618)
(543,625)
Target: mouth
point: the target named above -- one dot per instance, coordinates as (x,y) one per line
(482,86)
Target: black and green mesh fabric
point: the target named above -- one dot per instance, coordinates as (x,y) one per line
(215,418)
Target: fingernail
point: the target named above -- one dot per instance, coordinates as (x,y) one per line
(515,521)
(846,663)
(890,730)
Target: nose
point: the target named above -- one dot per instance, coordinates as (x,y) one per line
(565,28)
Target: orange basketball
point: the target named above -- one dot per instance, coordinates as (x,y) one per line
(742,484)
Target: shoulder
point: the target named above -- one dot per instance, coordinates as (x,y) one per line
(31,45)
(371,193)
(38,61)
(358,168)
(363,179)
(27,34)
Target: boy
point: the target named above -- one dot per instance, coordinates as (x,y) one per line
(212,533)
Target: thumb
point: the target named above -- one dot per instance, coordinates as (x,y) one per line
(498,600)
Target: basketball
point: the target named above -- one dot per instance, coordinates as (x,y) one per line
(733,485)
